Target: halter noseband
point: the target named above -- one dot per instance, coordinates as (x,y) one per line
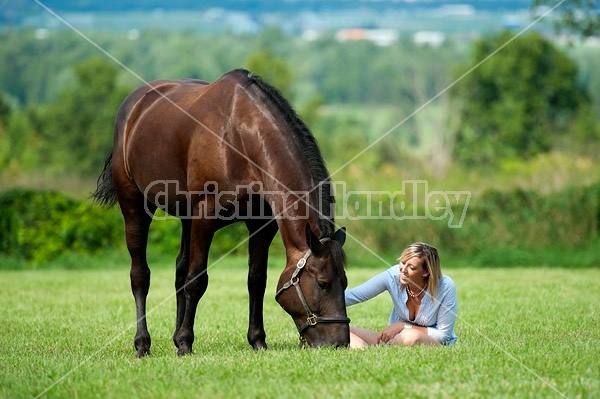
(312,319)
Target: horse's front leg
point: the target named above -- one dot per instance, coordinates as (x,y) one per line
(261,236)
(196,282)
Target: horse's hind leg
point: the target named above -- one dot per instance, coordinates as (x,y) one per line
(196,281)
(182,268)
(261,235)
(138,217)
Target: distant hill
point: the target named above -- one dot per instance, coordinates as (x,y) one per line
(263,5)
(250,16)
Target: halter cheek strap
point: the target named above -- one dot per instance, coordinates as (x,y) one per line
(312,319)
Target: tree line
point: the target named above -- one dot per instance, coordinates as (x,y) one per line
(56,113)
(529,112)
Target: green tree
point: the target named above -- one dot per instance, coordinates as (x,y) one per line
(4,140)
(19,143)
(20,146)
(272,69)
(4,111)
(581,17)
(278,73)
(519,102)
(77,127)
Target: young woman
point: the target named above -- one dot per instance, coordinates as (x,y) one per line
(425,303)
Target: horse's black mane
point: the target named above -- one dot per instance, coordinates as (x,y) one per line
(310,151)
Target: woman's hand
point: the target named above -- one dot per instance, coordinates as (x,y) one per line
(388,333)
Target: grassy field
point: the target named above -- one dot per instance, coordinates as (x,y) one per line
(523,333)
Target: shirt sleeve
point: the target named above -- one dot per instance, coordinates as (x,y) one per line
(369,289)
(444,328)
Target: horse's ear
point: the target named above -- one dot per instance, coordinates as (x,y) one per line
(313,242)
(340,236)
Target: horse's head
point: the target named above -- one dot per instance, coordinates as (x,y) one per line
(314,293)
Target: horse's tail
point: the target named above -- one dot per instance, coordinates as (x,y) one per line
(105,194)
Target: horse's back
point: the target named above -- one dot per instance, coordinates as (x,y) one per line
(173,130)
(147,94)
(178,93)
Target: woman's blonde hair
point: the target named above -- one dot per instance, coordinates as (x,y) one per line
(431,263)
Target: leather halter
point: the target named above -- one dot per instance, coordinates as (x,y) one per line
(312,319)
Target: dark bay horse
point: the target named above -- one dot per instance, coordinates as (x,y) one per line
(213,154)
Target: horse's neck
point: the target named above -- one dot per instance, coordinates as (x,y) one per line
(293,209)
(286,179)
(290,192)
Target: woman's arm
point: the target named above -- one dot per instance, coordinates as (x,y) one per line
(446,315)
(369,289)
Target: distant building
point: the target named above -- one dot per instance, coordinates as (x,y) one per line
(430,38)
(455,10)
(381,37)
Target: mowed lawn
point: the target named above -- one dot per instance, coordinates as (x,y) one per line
(523,333)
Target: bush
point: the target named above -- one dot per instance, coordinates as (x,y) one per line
(500,228)
(517,227)
(165,238)
(40,226)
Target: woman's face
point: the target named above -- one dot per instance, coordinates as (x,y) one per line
(412,271)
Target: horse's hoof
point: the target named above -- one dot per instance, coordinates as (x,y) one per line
(184,350)
(257,346)
(142,344)
(142,352)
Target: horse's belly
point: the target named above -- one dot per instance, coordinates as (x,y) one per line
(187,187)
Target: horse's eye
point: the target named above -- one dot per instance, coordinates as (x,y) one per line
(322,284)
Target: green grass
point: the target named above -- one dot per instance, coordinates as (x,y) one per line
(523,333)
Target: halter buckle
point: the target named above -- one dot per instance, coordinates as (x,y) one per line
(312,320)
(301,263)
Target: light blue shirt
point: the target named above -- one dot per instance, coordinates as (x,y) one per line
(437,314)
